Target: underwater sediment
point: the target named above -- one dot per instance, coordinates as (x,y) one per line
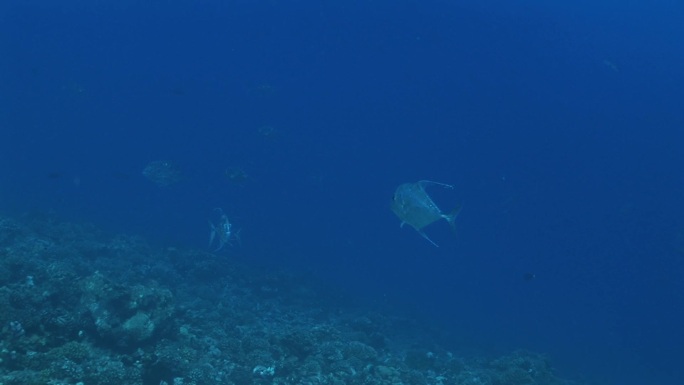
(82,307)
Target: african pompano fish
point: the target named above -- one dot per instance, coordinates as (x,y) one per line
(223,232)
(415,207)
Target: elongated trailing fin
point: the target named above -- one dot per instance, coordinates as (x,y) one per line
(212,233)
(426,237)
(423,182)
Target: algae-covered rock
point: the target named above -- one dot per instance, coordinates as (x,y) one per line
(138,328)
(126,316)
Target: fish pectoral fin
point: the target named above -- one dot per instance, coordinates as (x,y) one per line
(426,237)
(401,225)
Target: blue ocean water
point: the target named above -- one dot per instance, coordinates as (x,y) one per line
(560,126)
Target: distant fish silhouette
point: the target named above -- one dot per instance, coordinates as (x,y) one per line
(236,175)
(163,173)
(415,207)
(529,276)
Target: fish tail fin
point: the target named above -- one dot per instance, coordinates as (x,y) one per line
(451,217)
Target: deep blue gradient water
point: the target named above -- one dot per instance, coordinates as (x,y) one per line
(561,127)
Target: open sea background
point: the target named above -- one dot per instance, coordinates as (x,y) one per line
(560,124)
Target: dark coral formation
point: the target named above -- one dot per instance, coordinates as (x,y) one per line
(82,308)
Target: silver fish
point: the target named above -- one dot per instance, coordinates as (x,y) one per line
(415,207)
(223,232)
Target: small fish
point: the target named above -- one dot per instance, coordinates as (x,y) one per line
(415,207)
(222,232)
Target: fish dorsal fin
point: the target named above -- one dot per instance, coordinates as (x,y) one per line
(426,237)
(424,182)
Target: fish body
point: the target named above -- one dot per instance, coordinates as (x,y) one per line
(412,204)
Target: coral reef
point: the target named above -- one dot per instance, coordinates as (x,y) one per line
(83,308)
